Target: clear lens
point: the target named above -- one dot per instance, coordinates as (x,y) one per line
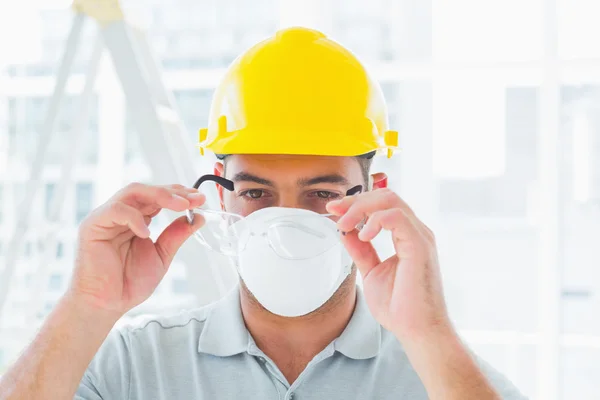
(220,231)
(294,237)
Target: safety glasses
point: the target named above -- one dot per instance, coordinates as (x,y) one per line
(294,234)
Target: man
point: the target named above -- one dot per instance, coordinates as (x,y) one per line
(295,123)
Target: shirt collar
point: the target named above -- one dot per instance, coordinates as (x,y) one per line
(362,337)
(225,334)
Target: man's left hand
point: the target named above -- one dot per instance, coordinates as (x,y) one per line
(404,292)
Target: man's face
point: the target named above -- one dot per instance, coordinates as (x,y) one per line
(307,182)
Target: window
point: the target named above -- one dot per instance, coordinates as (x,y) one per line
(84,198)
(12,118)
(18,195)
(390,93)
(361,26)
(59,250)
(580,134)
(453,28)
(50,189)
(495,129)
(580,376)
(581,126)
(577,28)
(88,141)
(28,249)
(133,146)
(26,115)
(194,106)
(55,282)
(180,285)
(48,307)
(1,202)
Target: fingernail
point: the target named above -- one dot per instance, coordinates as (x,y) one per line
(334,203)
(361,235)
(195,196)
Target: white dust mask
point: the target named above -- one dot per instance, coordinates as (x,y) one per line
(290,259)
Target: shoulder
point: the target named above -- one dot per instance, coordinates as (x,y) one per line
(134,341)
(156,328)
(141,348)
(147,323)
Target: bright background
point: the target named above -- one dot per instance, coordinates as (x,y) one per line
(497,106)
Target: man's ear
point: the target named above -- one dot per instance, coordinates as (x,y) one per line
(379,181)
(220,171)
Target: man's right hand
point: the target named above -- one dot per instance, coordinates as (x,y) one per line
(117,265)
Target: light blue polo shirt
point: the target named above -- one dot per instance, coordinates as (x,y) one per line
(208,354)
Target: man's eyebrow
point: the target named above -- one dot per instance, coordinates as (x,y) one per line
(246,177)
(334,178)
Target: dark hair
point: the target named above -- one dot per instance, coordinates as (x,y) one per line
(365,161)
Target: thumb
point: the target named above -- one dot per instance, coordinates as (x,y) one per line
(174,235)
(362,253)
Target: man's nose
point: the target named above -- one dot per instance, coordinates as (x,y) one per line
(289,199)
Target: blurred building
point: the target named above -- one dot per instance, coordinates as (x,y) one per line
(470,134)
(188,43)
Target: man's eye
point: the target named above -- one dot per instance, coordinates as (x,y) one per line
(253,193)
(323,194)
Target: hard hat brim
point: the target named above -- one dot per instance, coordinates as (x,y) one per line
(244,141)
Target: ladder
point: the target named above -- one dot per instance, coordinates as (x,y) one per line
(166,146)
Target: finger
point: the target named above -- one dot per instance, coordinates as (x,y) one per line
(362,253)
(196,200)
(140,195)
(121,214)
(356,210)
(193,196)
(408,240)
(181,188)
(174,235)
(339,207)
(182,191)
(392,219)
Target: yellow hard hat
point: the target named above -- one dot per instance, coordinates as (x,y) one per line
(298,92)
